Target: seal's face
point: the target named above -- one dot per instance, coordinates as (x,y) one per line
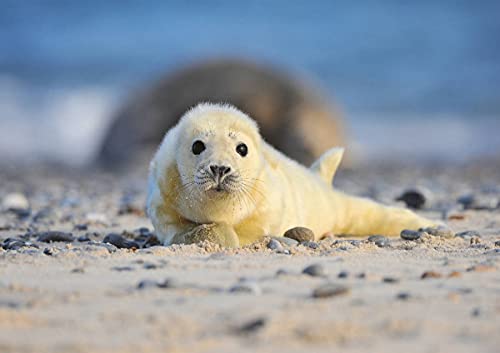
(218,158)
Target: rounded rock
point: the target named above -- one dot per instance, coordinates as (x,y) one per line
(120,242)
(412,198)
(379,240)
(439,231)
(330,290)
(54,236)
(275,245)
(316,270)
(301,234)
(408,234)
(246,287)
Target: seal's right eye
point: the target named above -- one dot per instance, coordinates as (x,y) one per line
(198,147)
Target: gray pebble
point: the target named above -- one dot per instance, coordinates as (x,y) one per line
(310,244)
(147,284)
(14,244)
(330,290)
(286,241)
(251,326)
(343,274)
(282,272)
(275,245)
(316,270)
(468,234)
(83,238)
(120,242)
(497,243)
(300,234)
(390,280)
(408,234)
(150,266)
(249,287)
(78,270)
(403,296)
(122,268)
(51,236)
(379,240)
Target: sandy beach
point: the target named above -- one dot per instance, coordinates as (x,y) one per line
(62,289)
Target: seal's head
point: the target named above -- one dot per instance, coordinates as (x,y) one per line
(218,157)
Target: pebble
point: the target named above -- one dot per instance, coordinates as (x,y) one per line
(497,243)
(468,234)
(411,234)
(110,247)
(48,252)
(330,290)
(379,240)
(148,283)
(252,326)
(412,198)
(431,274)
(286,241)
(53,235)
(81,227)
(150,266)
(122,268)
(275,245)
(454,274)
(300,234)
(147,241)
(78,270)
(14,244)
(248,287)
(390,280)
(439,231)
(475,240)
(310,244)
(16,202)
(403,296)
(343,274)
(315,270)
(479,202)
(120,242)
(83,238)
(282,272)
(476,312)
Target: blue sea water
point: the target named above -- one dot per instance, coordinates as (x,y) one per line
(396,68)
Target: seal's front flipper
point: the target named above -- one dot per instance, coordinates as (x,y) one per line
(326,166)
(219,233)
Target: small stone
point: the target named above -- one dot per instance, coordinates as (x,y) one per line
(15,202)
(316,270)
(390,280)
(497,243)
(481,268)
(251,326)
(81,227)
(48,252)
(454,274)
(330,290)
(475,240)
(403,296)
(408,234)
(120,242)
(468,234)
(150,266)
(147,240)
(412,198)
(275,245)
(310,244)
(282,272)
(53,236)
(301,234)
(122,268)
(286,241)
(379,240)
(479,201)
(78,270)
(476,312)
(431,274)
(147,284)
(439,231)
(248,287)
(83,238)
(343,274)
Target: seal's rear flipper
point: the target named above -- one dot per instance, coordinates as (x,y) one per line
(326,166)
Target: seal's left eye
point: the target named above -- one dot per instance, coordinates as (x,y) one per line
(198,147)
(242,149)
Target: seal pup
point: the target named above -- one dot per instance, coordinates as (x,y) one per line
(271,96)
(214,176)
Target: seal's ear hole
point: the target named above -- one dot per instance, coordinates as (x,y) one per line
(198,147)
(242,149)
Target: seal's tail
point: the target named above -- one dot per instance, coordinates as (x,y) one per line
(326,166)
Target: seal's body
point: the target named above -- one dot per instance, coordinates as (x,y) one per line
(214,168)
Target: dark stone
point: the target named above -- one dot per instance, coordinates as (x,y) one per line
(301,234)
(343,274)
(468,234)
(379,240)
(150,266)
(315,270)
(122,268)
(403,296)
(440,231)
(81,227)
(431,274)
(14,244)
(120,242)
(412,198)
(147,283)
(390,280)
(83,238)
(53,236)
(147,240)
(48,252)
(275,245)
(252,326)
(497,243)
(330,290)
(411,234)
(311,244)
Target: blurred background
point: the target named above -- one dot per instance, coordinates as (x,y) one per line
(413,79)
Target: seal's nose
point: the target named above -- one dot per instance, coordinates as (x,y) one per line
(219,170)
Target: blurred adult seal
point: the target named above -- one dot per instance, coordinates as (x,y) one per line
(214,178)
(293,116)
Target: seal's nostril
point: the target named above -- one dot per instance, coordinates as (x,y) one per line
(223,170)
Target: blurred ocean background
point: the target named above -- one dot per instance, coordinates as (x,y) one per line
(416,79)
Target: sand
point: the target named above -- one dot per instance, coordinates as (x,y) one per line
(83,296)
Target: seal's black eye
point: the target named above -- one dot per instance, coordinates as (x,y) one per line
(242,149)
(198,147)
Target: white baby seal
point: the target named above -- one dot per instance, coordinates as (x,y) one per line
(214,177)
